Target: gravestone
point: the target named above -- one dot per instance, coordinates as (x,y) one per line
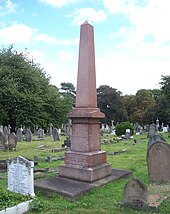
(56,135)
(6,135)
(19,134)
(127,134)
(152,130)
(158,161)
(157,125)
(135,194)
(40,133)
(12,141)
(50,129)
(2,141)
(156,137)
(1,128)
(20,176)
(28,135)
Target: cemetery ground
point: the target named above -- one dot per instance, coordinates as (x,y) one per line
(123,154)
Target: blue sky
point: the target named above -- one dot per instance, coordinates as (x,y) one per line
(132,38)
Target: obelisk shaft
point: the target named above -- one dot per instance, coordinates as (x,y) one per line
(86,80)
(85,161)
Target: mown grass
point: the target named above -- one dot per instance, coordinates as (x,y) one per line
(104,199)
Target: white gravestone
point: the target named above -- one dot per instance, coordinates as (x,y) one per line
(20,176)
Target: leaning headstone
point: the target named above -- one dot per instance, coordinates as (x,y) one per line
(152,130)
(2,141)
(20,176)
(19,134)
(12,141)
(55,134)
(158,161)
(40,133)
(135,194)
(28,135)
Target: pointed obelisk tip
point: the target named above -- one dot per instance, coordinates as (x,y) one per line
(85,23)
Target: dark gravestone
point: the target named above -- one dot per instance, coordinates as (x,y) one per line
(152,130)
(158,161)
(2,141)
(12,141)
(55,134)
(127,134)
(154,138)
(67,143)
(40,133)
(28,135)
(19,134)
(135,194)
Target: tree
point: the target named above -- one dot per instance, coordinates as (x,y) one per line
(165,88)
(26,96)
(143,107)
(111,104)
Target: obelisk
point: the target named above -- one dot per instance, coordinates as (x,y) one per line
(85,161)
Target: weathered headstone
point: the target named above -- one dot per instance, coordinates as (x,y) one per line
(135,194)
(2,141)
(6,135)
(55,134)
(40,133)
(154,138)
(28,135)
(158,161)
(19,134)
(20,176)
(1,128)
(157,125)
(9,129)
(12,141)
(152,130)
(127,134)
(67,143)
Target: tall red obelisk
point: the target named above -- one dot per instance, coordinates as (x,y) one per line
(85,161)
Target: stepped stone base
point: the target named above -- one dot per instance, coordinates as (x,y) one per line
(72,189)
(87,174)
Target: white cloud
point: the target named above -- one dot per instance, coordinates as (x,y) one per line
(65,56)
(16,33)
(58,3)
(129,74)
(54,41)
(151,18)
(89,14)
(8,7)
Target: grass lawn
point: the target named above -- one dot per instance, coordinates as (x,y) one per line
(104,199)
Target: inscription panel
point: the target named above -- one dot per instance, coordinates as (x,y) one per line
(20,176)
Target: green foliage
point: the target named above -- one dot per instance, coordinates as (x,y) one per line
(10,199)
(26,96)
(121,128)
(111,103)
(36,206)
(165,87)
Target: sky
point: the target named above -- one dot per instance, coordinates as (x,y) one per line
(132,38)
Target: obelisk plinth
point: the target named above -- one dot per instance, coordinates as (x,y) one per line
(85,161)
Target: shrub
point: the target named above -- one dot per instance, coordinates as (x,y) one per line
(121,128)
